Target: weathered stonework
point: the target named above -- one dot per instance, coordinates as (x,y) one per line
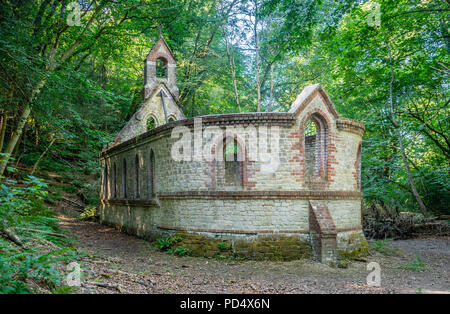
(147,192)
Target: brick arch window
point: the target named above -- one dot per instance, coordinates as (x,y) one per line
(151,123)
(358,168)
(106,183)
(114,181)
(172,119)
(124,178)
(137,191)
(151,176)
(161,67)
(316,146)
(231,163)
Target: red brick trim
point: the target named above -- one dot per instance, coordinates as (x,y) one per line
(328,172)
(319,91)
(154,53)
(245,119)
(254,232)
(237,195)
(318,195)
(320,219)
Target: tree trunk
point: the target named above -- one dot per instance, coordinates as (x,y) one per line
(42,155)
(271,88)
(3,123)
(232,68)
(19,128)
(15,138)
(400,139)
(258,84)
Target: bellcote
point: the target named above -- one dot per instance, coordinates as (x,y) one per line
(160,67)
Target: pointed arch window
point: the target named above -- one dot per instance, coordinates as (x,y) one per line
(233,162)
(114,181)
(151,123)
(137,191)
(105,183)
(161,68)
(151,176)
(124,178)
(316,146)
(358,168)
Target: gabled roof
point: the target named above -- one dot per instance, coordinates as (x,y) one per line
(156,90)
(155,52)
(307,95)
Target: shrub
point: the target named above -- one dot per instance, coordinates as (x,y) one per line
(166,241)
(89,213)
(22,210)
(223,246)
(179,251)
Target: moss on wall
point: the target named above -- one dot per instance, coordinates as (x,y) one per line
(279,248)
(357,247)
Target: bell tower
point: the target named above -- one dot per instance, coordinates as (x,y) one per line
(160,67)
(160,94)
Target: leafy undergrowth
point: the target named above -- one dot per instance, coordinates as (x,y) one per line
(384,247)
(417,264)
(31,242)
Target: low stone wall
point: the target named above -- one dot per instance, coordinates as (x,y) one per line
(275,247)
(245,225)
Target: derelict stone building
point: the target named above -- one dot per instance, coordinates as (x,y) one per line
(269,185)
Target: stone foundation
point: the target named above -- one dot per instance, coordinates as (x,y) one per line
(275,248)
(308,228)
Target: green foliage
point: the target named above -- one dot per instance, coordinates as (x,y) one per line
(19,203)
(165,242)
(383,246)
(223,246)
(22,208)
(416,264)
(80,105)
(89,193)
(89,213)
(63,290)
(180,251)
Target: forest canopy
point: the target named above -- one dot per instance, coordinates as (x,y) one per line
(67,86)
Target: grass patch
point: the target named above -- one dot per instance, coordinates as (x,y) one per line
(383,247)
(416,264)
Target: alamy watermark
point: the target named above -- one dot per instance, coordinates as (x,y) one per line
(374,277)
(73,278)
(236,143)
(374,17)
(74,17)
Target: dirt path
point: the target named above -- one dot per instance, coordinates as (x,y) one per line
(130,265)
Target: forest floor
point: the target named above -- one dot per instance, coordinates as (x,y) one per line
(115,262)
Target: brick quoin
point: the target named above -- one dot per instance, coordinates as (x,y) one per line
(323,231)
